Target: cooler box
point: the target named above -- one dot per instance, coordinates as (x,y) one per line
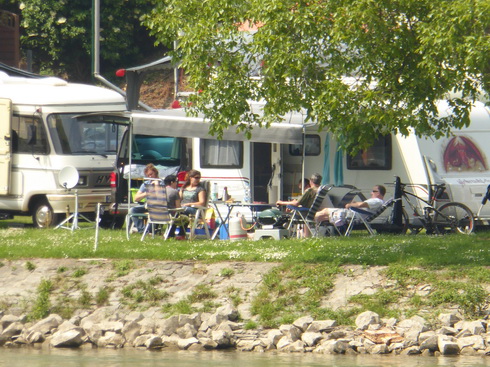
(223,232)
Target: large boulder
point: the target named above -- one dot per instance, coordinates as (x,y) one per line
(47,325)
(367,318)
(71,338)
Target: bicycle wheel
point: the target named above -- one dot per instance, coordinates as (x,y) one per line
(454,218)
(387,227)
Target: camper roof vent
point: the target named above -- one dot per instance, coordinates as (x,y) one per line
(52,81)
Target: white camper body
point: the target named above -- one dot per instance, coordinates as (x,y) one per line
(460,160)
(272,164)
(39,137)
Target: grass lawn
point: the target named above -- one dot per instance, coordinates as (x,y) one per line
(19,240)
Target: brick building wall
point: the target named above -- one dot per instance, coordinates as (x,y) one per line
(9,38)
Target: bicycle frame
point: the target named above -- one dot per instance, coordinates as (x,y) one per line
(449,217)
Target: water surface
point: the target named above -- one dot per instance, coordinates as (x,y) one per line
(30,357)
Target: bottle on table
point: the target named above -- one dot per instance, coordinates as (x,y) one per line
(226,196)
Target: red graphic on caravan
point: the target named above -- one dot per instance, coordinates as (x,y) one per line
(462,154)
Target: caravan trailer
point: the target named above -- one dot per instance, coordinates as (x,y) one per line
(39,136)
(272,166)
(460,160)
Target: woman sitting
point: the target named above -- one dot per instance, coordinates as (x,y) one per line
(193,192)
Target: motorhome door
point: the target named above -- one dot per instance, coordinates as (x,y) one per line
(267,170)
(5,144)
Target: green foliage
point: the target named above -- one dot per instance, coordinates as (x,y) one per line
(42,305)
(471,298)
(291,290)
(378,302)
(78,273)
(140,293)
(226,272)
(30,266)
(60,34)
(402,57)
(61,269)
(250,325)
(122,267)
(85,299)
(180,307)
(102,296)
(202,292)
(234,295)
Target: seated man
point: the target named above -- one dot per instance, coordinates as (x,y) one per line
(371,205)
(307,199)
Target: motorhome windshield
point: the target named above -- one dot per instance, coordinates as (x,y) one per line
(83,136)
(161,150)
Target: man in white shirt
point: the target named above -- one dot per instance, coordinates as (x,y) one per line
(371,205)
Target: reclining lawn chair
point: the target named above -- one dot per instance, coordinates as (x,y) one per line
(306,216)
(359,217)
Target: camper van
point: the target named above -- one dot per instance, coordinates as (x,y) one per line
(41,133)
(241,165)
(270,166)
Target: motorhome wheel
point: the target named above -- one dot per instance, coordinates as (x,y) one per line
(43,215)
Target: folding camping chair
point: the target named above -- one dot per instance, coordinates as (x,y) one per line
(361,217)
(200,216)
(306,216)
(158,212)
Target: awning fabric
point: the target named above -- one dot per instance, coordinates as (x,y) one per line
(176,123)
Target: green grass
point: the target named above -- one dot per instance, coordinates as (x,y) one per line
(456,269)
(414,250)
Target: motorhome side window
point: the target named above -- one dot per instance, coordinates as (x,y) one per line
(221,153)
(29,135)
(312,146)
(376,157)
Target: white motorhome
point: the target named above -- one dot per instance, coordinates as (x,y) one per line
(39,136)
(273,166)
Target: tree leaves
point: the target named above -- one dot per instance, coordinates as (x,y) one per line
(358,68)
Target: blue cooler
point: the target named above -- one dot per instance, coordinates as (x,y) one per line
(223,232)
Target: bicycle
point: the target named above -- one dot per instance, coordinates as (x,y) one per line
(451,217)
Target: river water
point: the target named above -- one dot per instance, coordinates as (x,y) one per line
(30,357)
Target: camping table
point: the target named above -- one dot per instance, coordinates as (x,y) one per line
(255,209)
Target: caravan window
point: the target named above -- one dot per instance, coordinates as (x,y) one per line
(312,146)
(29,135)
(376,157)
(221,153)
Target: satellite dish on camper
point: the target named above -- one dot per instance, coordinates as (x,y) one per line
(68,177)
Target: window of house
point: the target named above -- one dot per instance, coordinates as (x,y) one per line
(221,153)
(376,157)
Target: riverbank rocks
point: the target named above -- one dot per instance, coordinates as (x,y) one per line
(109,328)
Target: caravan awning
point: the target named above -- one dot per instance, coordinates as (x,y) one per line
(176,123)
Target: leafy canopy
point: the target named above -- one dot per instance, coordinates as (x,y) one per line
(59,32)
(359,68)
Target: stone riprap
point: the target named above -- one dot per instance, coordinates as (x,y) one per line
(107,327)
